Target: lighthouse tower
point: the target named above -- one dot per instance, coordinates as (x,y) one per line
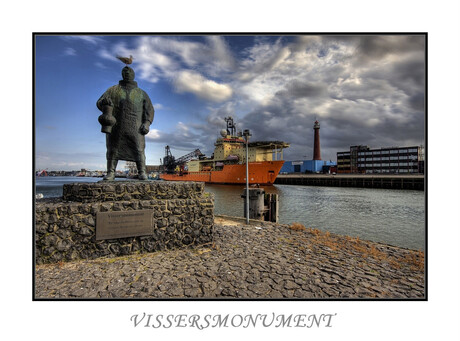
(316,146)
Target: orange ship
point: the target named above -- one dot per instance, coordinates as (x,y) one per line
(228,163)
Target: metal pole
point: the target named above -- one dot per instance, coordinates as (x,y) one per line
(246,135)
(247,182)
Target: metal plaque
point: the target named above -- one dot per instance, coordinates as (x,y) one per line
(123,224)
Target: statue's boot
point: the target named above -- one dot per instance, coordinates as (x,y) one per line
(142,175)
(111,166)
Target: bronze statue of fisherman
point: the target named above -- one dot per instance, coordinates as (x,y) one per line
(127,113)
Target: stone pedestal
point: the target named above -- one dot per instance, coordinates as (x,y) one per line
(131,190)
(65,228)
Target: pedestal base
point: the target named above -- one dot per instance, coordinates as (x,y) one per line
(65,228)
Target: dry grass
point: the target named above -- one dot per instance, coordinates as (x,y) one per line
(223,221)
(414,259)
(297,227)
(214,246)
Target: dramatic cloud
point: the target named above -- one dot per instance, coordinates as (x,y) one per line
(364,90)
(189,81)
(189,65)
(181,142)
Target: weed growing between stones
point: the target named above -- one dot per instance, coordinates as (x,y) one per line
(414,259)
(297,227)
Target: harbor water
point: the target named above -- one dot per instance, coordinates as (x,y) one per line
(395,217)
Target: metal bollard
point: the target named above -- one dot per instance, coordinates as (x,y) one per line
(261,206)
(256,203)
(271,205)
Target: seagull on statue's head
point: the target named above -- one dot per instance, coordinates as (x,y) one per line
(126,60)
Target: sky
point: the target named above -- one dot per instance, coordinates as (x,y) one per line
(363,89)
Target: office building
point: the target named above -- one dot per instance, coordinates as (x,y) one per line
(391,160)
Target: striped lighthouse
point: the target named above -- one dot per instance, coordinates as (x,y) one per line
(316,146)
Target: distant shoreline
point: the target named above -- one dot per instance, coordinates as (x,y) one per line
(386,181)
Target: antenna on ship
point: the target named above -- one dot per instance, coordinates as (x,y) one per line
(231,128)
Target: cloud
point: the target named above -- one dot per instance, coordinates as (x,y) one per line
(362,92)
(100,65)
(190,81)
(262,58)
(363,89)
(175,59)
(221,53)
(373,47)
(70,52)
(298,89)
(154,134)
(92,40)
(106,54)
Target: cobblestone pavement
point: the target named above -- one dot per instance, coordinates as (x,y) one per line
(269,261)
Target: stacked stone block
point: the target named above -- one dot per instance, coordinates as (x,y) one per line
(65,228)
(129,190)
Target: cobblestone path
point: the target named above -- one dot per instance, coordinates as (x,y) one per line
(255,261)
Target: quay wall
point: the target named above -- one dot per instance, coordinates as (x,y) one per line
(411,182)
(65,228)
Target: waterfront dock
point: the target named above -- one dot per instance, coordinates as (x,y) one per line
(412,182)
(257,261)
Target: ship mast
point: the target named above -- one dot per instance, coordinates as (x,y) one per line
(231,128)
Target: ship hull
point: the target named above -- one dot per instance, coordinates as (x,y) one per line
(262,173)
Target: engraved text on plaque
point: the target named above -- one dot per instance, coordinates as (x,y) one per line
(123,224)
